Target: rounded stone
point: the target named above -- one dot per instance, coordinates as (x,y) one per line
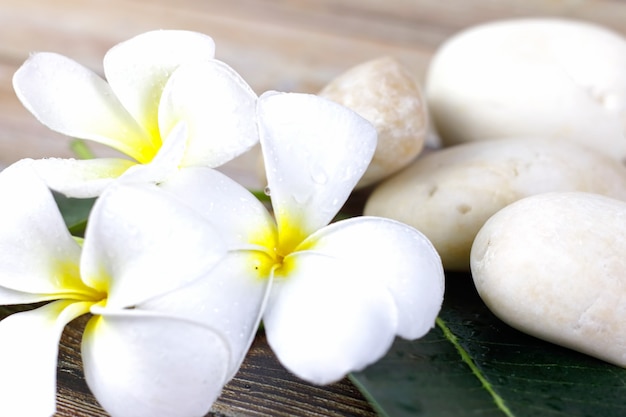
(450,193)
(383,92)
(552,78)
(553,266)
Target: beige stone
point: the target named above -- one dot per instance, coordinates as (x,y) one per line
(552,78)
(553,266)
(450,193)
(384,92)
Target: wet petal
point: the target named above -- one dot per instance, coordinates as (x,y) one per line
(11,297)
(141,365)
(81,178)
(37,253)
(325,320)
(218,107)
(139,68)
(315,151)
(28,357)
(141,243)
(239,216)
(230,299)
(73,100)
(393,256)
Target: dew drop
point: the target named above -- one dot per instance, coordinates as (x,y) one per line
(266,190)
(319,176)
(302,197)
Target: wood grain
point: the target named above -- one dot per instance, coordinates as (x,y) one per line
(290,45)
(275,44)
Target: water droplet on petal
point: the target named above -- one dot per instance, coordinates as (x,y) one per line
(302,197)
(266,190)
(319,176)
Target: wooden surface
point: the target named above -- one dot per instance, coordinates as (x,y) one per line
(287,45)
(290,45)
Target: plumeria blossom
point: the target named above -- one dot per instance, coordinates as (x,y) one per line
(154,82)
(340,293)
(138,360)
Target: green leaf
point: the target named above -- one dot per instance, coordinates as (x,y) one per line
(472,364)
(75,212)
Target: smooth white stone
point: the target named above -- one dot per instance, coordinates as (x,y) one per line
(531,77)
(383,92)
(450,193)
(554,266)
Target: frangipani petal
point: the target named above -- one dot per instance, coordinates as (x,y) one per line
(37,253)
(239,216)
(230,299)
(315,151)
(81,178)
(139,68)
(325,320)
(11,297)
(73,100)
(141,243)
(143,365)
(218,107)
(393,256)
(28,358)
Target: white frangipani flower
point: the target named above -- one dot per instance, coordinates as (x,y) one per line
(154,82)
(339,293)
(140,246)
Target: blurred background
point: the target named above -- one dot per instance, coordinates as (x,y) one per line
(287,45)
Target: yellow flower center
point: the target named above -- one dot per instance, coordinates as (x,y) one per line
(274,248)
(67,276)
(139,139)
(142,149)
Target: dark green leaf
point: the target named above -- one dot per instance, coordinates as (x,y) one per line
(75,212)
(472,364)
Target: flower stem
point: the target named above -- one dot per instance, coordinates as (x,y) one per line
(81,150)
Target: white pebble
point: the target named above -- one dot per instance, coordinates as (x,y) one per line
(553,266)
(383,92)
(531,77)
(450,193)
